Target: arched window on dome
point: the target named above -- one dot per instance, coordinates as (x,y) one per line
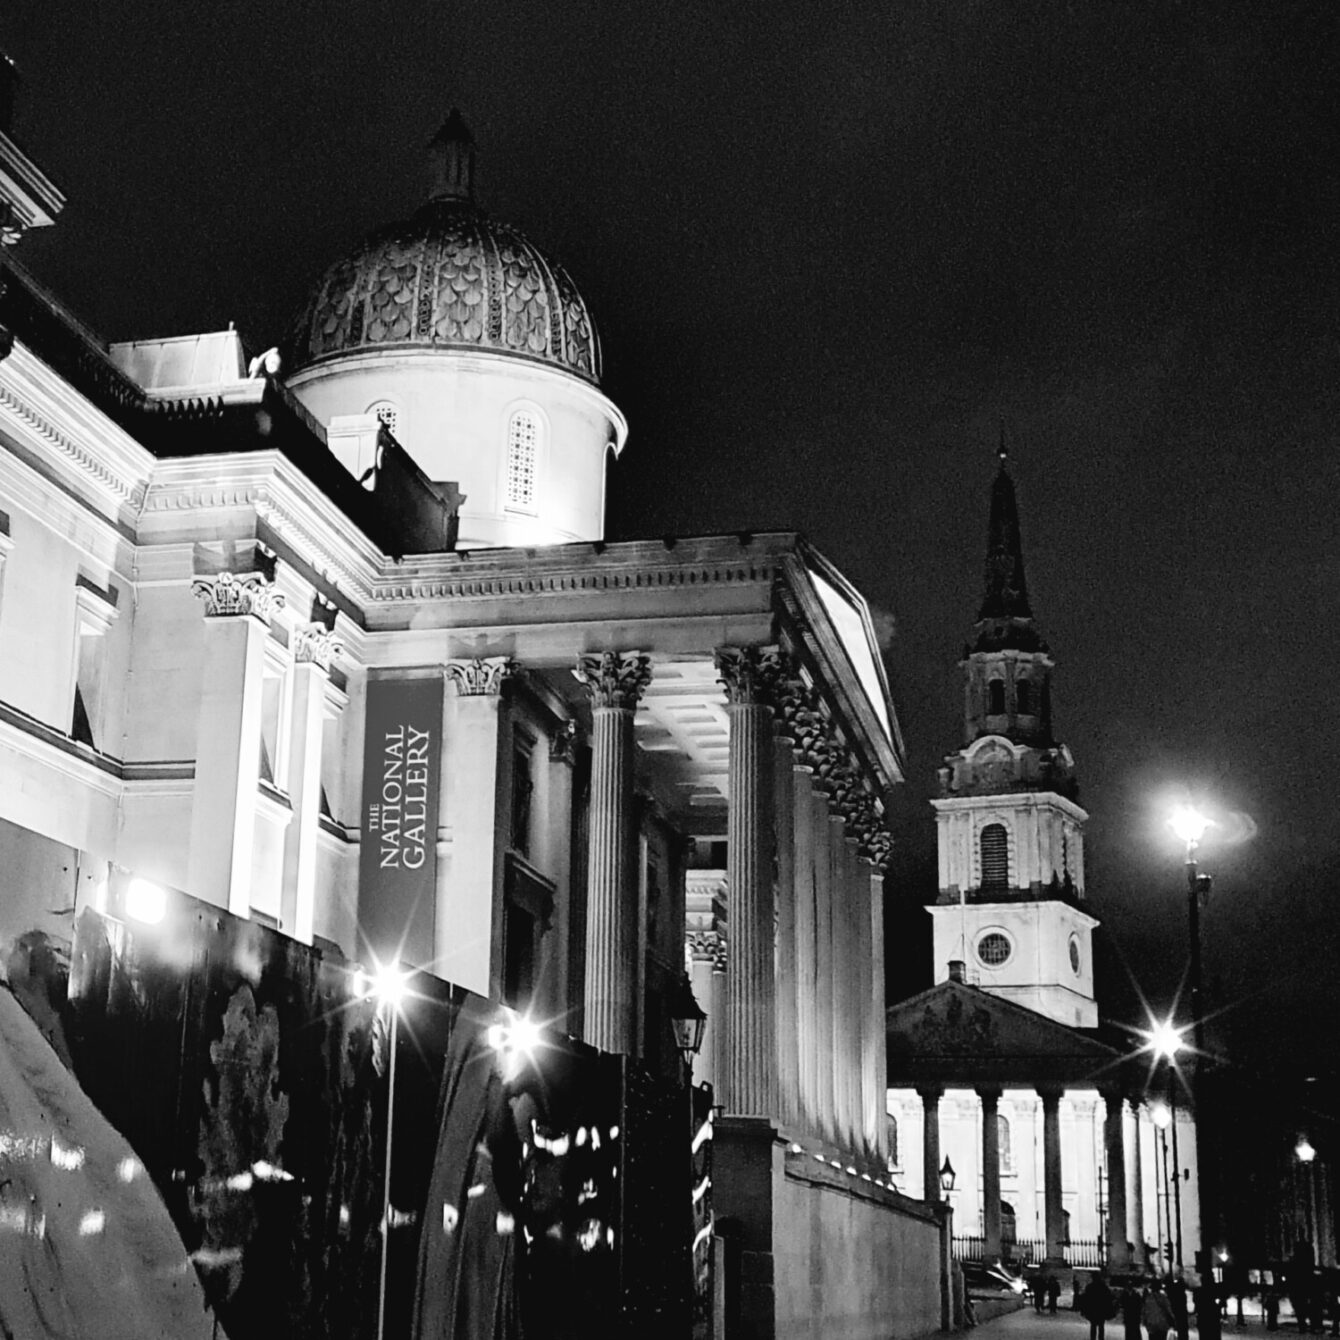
(523,461)
(995,698)
(388,412)
(1023,698)
(995,847)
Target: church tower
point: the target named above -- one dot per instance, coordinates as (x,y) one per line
(1010,833)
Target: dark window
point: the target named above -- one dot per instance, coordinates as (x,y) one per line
(1023,697)
(1009,1221)
(522,788)
(80,728)
(995,698)
(993,949)
(995,857)
(891,1126)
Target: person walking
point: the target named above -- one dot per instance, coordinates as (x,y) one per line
(1156,1312)
(1053,1293)
(1096,1305)
(1131,1303)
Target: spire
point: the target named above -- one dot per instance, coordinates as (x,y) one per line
(1005,595)
(451,161)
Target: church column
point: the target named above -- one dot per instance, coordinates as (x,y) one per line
(805,888)
(823,961)
(238,609)
(991,1245)
(930,1095)
(615,682)
(1114,1142)
(876,1060)
(750,1070)
(474,775)
(1136,1205)
(788,1052)
(313,649)
(840,962)
(1051,1174)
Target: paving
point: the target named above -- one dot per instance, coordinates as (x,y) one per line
(1065,1324)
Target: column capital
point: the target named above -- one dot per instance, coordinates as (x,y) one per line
(1051,1094)
(614,678)
(482,677)
(988,1095)
(236,594)
(708,947)
(749,674)
(930,1093)
(316,645)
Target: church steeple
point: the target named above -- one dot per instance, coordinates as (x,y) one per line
(1010,829)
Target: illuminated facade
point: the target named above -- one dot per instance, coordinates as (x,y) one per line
(1000,1067)
(329,638)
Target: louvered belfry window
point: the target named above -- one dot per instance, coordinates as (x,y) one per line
(995,857)
(523,434)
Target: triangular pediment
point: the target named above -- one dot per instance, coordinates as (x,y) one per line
(955,1034)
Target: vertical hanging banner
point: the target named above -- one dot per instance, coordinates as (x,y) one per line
(397,866)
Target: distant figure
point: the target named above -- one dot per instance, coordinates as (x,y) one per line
(1270,1305)
(1053,1293)
(1156,1312)
(1096,1305)
(265,365)
(1039,1291)
(1178,1301)
(1131,1303)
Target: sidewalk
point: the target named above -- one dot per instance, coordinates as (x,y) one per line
(1069,1325)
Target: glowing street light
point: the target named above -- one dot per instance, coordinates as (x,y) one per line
(388,986)
(1165,1040)
(1303,1150)
(1190,826)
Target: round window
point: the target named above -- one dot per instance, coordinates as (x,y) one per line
(993,949)
(1074,954)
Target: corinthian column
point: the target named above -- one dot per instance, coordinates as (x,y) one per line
(750,1070)
(615,682)
(1114,1140)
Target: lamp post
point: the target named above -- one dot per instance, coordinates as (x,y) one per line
(1305,1153)
(387,987)
(1190,826)
(688,1022)
(1166,1041)
(1160,1115)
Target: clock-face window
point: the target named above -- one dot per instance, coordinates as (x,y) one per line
(1074,954)
(993,949)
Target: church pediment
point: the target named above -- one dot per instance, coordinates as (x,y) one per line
(958,1034)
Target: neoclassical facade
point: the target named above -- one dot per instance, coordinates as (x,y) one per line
(1051,1125)
(329,637)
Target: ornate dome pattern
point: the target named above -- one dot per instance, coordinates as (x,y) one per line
(448,278)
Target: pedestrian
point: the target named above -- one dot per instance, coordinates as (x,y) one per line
(1053,1293)
(1131,1303)
(1270,1305)
(1156,1312)
(1039,1291)
(1096,1306)
(1178,1302)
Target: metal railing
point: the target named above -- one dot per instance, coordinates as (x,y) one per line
(1082,1254)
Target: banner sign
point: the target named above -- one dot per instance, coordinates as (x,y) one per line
(397,868)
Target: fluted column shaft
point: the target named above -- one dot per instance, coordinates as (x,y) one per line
(991,1246)
(1114,1140)
(1051,1173)
(823,959)
(837,978)
(930,1141)
(788,1052)
(750,1071)
(1137,1207)
(878,1046)
(806,962)
(615,682)
(856,981)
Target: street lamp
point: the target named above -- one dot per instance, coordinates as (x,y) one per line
(947,1178)
(388,986)
(1190,826)
(688,1022)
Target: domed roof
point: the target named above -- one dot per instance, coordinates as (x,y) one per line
(448,278)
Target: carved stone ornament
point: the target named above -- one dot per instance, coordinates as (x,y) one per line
(230,594)
(878,847)
(614,678)
(563,743)
(707,946)
(483,677)
(316,645)
(749,674)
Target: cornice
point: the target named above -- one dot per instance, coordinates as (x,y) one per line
(60,424)
(1010,800)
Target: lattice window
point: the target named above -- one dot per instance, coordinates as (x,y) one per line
(993,949)
(995,844)
(389,414)
(523,449)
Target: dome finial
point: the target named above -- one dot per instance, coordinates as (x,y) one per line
(451,161)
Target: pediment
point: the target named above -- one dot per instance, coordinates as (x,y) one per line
(959,1034)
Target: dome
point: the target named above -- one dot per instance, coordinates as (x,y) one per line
(448,278)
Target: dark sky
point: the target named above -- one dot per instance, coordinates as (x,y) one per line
(831,248)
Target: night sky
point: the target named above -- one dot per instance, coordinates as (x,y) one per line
(831,249)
